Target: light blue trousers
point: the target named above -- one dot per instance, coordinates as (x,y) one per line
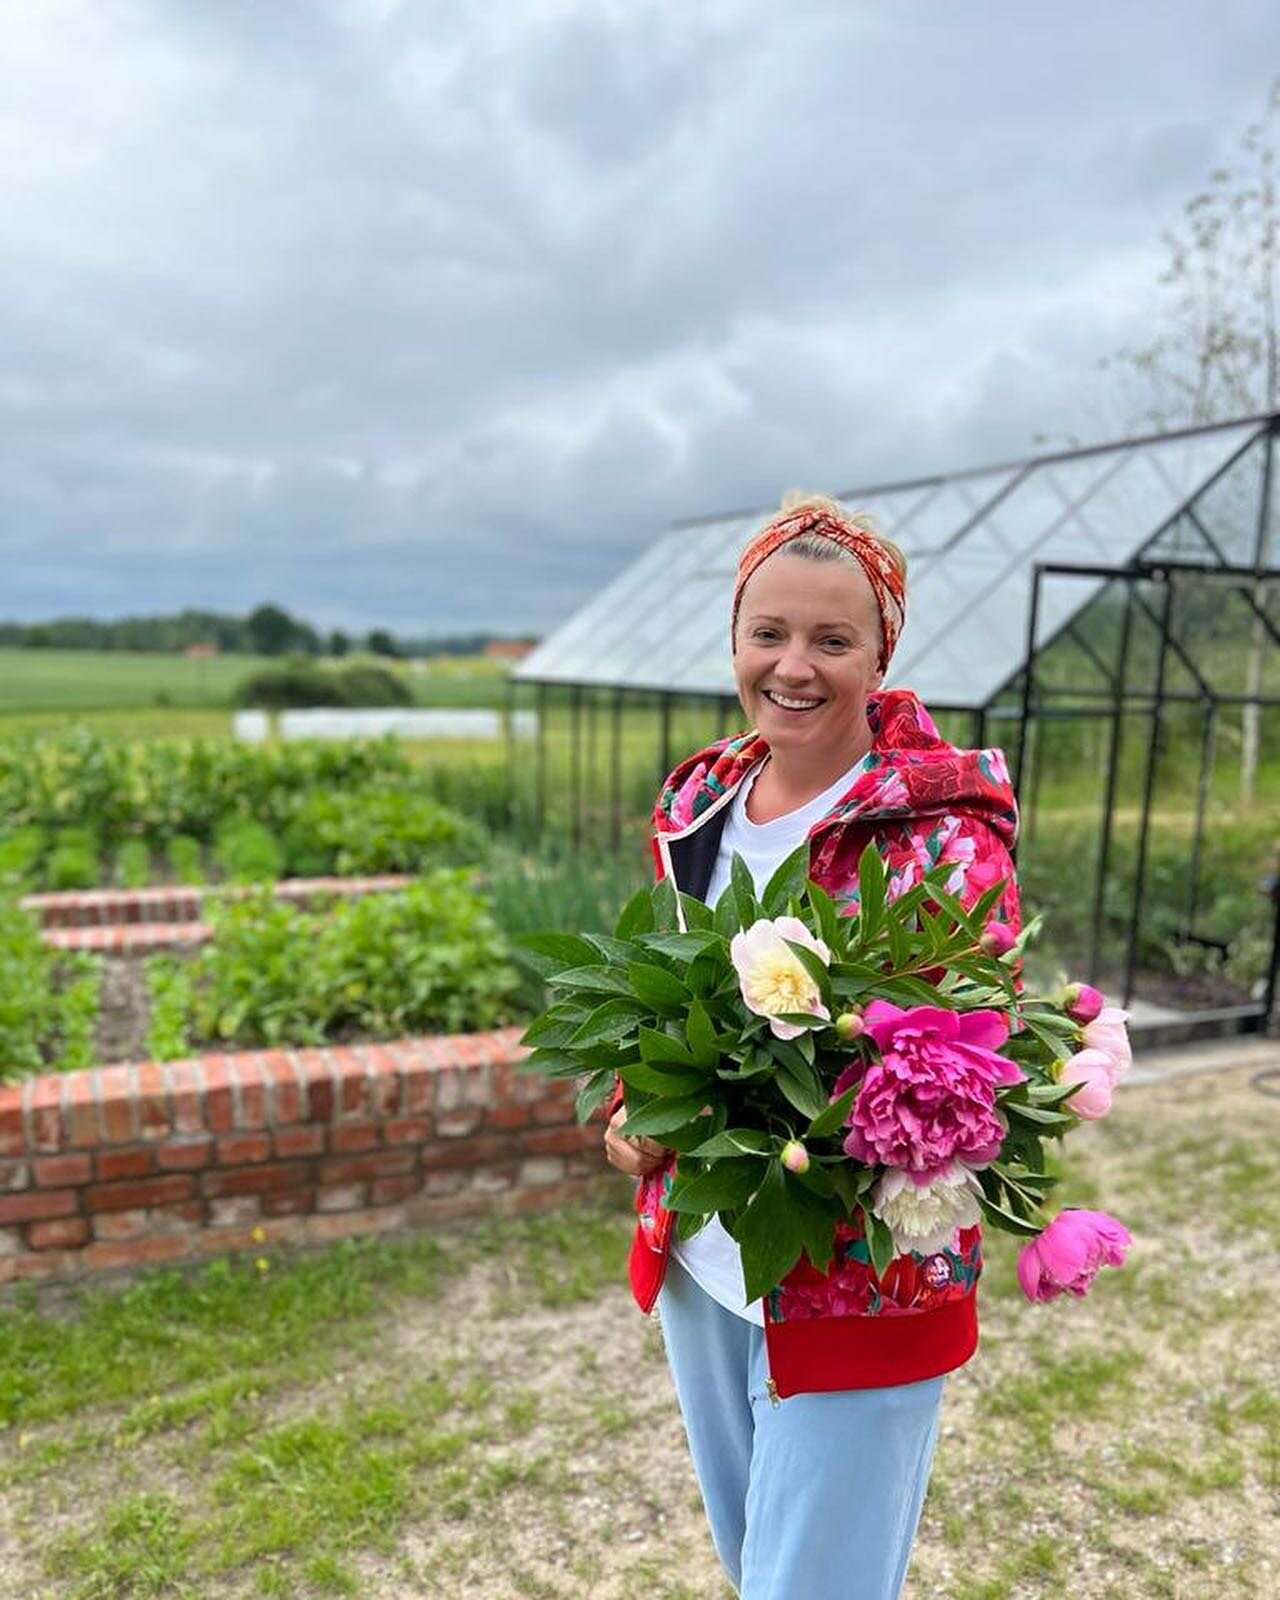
(816,1497)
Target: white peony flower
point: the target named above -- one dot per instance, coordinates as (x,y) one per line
(924,1217)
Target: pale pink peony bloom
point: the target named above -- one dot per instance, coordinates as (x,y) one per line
(923,1216)
(1082,1002)
(773,979)
(930,1099)
(1068,1255)
(1107,1032)
(1094,1071)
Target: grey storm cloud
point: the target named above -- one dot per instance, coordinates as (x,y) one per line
(431,315)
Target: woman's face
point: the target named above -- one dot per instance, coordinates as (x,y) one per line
(806,652)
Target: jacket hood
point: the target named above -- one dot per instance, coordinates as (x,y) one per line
(911,772)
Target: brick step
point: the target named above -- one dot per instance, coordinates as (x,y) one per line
(118,938)
(175,903)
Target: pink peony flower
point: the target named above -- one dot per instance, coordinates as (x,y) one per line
(930,1099)
(998,938)
(1067,1256)
(773,980)
(1082,1002)
(1107,1032)
(1094,1071)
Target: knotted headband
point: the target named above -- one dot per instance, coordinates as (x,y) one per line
(886,581)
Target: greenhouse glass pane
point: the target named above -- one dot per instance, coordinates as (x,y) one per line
(975,538)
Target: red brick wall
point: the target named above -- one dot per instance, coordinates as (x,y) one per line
(127,1165)
(100,908)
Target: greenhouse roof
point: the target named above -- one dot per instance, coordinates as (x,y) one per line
(972,539)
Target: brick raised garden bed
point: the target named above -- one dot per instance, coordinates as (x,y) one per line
(141,921)
(159,1162)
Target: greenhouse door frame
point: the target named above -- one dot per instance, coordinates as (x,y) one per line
(1119,701)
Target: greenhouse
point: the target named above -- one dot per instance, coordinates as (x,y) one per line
(1108,615)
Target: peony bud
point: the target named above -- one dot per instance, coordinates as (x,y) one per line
(1082,1002)
(1094,1071)
(849,1024)
(998,938)
(795,1158)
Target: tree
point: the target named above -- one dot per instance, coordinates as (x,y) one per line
(339,643)
(378,642)
(1218,353)
(271,631)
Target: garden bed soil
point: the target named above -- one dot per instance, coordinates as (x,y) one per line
(123,1010)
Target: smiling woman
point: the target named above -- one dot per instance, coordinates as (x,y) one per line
(819,1492)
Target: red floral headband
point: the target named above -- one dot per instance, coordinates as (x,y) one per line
(882,572)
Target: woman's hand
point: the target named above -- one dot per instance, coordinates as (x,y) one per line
(636,1157)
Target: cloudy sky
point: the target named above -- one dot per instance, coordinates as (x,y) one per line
(429,314)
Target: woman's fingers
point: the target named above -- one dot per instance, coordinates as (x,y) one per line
(636,1157)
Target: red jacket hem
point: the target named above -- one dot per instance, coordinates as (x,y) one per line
(819,1354)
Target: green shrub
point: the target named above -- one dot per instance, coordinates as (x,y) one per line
(479,790)
(426,959)
(155,788)
(21,851)
(184,859)
(133,864)
(365,684)
(170,990)
(282,688)
(247,852)
(28,1006)
(301,683)
(74,862)
(78,1004)
(48,1003)
(378,830)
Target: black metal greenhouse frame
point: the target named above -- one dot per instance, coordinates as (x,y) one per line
(1035,701)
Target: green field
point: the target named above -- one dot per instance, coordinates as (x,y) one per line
(50,685)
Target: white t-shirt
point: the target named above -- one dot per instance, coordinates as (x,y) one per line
(711,1257)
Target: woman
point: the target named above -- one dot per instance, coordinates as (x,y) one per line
(811,1414)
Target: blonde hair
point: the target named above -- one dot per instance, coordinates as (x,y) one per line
(814,547)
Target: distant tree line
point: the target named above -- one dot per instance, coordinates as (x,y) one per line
(268,630)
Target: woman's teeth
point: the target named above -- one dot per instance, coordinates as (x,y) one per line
(789,704)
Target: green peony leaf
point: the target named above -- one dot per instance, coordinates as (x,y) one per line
(769,1234)
(657,988)
(723,1186)
(832,1117)
(636,916)
(787,882)
(664,1116)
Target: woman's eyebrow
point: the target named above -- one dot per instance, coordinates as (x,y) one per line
(760,616)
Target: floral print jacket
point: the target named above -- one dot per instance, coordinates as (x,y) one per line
(922,802)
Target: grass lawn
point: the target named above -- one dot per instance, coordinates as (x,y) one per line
(61,685)
(483,1412)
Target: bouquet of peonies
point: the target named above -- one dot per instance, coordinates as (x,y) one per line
(815,1069)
